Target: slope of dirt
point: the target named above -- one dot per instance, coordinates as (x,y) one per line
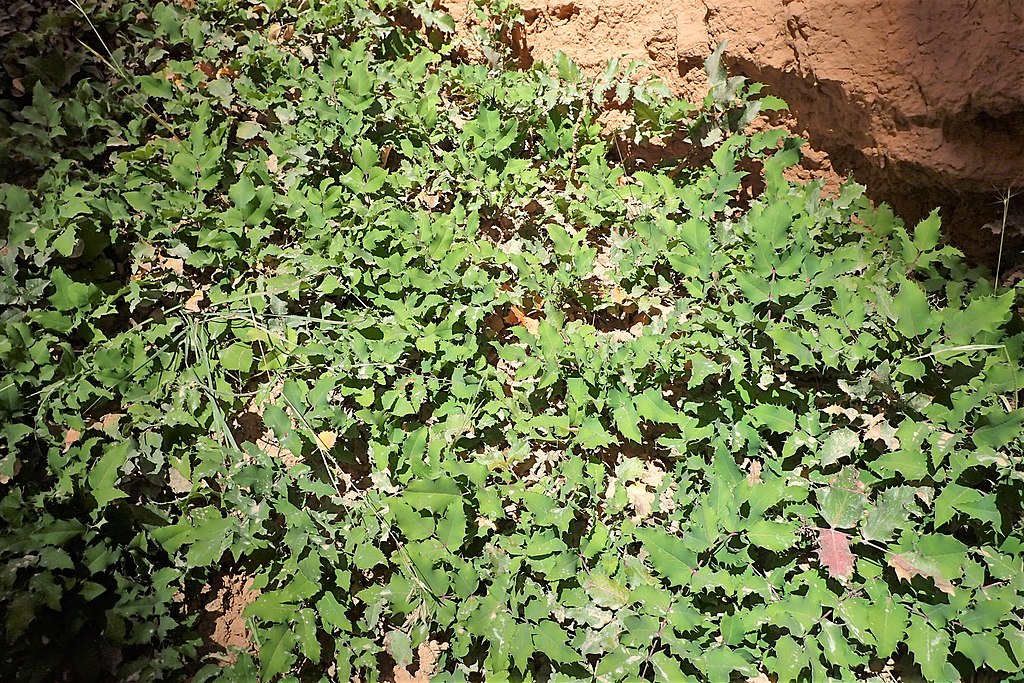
(923,101)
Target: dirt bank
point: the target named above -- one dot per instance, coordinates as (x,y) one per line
(923,101)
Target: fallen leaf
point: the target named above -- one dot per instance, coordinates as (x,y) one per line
(834,553)
(109,420)
(327,440)
(274,32)
(641,499)
(879,429)
(209,70)
(909,565)
(177,481)
(71,437)
(192,304)
(494,323)
(516,316)
(754,475)
(175,265)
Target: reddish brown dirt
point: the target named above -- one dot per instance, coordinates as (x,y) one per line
(923,101)
(222,623)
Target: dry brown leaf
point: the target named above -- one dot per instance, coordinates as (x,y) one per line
(109,420)
(834,553)
(177,481)
(516,316)
(208,69)
(192,304)
(71,437)
(274,32)
(641,499)
(175,265)
(754,475)
(327,440)
(878,428)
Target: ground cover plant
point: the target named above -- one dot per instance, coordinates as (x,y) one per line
(301,292)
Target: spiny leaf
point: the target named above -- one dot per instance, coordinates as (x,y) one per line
(834,553)
(911,564)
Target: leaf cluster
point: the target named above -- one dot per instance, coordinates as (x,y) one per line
(300,294)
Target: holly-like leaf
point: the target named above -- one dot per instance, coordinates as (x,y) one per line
(890,513)
(930,648)
(955,498)
(434,495)
(774,536)
(669,555)
(834,553)
(552,640)
(838,445)
(888,626)
(776,418)
(911,564)
(276,652)
(842,504)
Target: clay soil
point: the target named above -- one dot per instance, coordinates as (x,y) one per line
(923,102)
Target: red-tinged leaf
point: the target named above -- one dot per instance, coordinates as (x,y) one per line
(834,553)
(70,438)
(909,565)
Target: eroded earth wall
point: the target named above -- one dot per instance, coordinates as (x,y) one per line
(922,100)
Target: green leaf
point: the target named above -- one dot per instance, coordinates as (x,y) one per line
(985,650)
(434,495)
(776,418)
(306,634)
(606,591)
(913,314)
(237,357)
(593,435)
(888,626)
(842,505)
(955,498)
(669,555)
(242,192)
(399,646)
(368,556)
(984,314)
(926,234)
(891,512)
(788,660)
(276,652)
(839,444)
(930,649)
(451,529)
(627,419)
(551,639)
(106,472)
(332,614)
(1001,429)
(651,406)
(774,536)
(70,295)
(247,130)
